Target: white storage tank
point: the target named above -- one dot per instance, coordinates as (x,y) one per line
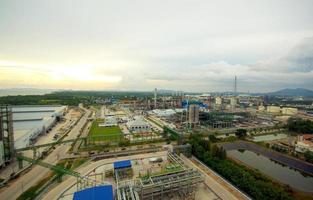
(289,111)
(273,109)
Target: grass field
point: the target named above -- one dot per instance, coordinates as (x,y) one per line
(112,133)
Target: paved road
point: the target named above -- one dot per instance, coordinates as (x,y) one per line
(83,134)
(16,188)
(69,181)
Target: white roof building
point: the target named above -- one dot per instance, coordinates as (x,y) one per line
(164,113)
(304,143)
(138,125)
(109,121)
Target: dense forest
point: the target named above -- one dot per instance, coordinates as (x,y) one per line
(299,125)
(250,181)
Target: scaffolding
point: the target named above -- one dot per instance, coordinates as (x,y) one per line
(125,190)
(182,183)
(6,132)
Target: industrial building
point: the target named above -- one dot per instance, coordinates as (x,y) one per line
(283,110)
(31,121)
(193,114)
(109,121)
(138,125)
(218,100)
(233,101)
(181,183)
(6,135)
(95,193)
(289,111)
(165,113)
(122,169)
(304,143)
(273,109)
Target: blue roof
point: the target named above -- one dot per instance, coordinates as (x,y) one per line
(122,164)
(95,193)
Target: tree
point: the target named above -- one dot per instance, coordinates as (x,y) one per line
(214,151)
(212,138)
(241,133)
(308,156)
(299,125)
(252,182)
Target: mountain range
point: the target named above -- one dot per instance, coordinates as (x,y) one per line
(284,92)
(292,92)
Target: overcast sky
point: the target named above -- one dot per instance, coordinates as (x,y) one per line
(194,45)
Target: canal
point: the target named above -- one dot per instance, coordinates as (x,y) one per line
(280,172)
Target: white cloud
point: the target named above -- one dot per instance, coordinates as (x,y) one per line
(178,44)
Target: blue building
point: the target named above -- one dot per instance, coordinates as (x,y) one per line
(95,193)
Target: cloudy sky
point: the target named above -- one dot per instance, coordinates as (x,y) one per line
(190,45)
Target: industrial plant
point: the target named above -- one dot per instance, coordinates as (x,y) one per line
(142,147)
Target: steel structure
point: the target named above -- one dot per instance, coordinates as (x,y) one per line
(110,138)
(6,132)
(125,190)
(182,183)
(82,181)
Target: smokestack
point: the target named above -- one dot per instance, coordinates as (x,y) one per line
(235,86)
(155,98)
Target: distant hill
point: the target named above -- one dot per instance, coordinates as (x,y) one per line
(292,92)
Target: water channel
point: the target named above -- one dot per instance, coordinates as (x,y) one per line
(281,173)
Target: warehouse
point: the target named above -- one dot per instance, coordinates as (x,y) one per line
(138,125)
(31,121)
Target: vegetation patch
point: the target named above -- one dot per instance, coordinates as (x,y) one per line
(101,133)
(299,125)
(33,191)
(248,180)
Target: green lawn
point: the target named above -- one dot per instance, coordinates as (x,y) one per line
(108,133)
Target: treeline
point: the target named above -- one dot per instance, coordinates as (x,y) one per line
(299,125)
(72,98)
(250,181)
(47,99)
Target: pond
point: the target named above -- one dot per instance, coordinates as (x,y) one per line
(277,171)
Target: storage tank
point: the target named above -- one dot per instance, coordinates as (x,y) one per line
(261,108)
(273,109)
(218,101)
(233,101)
(289,111)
